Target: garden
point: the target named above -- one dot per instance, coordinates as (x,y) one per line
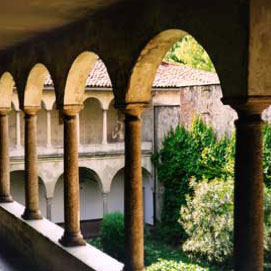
(196,229)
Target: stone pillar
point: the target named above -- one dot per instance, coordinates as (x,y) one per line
(4,157)
(105,203)
(78,128)
(49,130)
(18,130)
(104,141)
(133,198)
(49,208)
(72,234)
(248,189)
(31,165)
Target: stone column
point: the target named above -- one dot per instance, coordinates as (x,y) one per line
(4,157)
(104,141)
(72,234)
(18,129)
(32,210)
(49,208)
(78,128)
(49,130)
(105,203)
(133,198)
(248,189)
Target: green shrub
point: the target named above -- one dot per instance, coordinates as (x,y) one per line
(165,265)
(267,154)
(112,235)
(208,221)
(183,155)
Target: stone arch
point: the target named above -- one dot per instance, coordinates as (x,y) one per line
(34,85)
(91,122)
(6,89)
(144,70)
(115,124)
(91,203)
(77,76)
(116,194)
(17,183)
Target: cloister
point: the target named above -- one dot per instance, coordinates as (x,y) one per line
(65,40)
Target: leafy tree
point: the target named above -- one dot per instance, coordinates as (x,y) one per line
(189,52)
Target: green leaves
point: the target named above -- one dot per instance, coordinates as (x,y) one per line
(208,220)
(189,52)
(112,235)
(196,153)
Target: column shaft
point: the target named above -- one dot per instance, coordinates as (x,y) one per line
(31,167)
(105,204)
(18,129)
(134,234)
(104,141)
(4,159)
(78,128)
(248,202)
(49,208)
(72,235)
(49,133)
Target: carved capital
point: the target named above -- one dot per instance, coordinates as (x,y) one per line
(248,107)
(134,110)
(4,111)
(71,110)
(31,110)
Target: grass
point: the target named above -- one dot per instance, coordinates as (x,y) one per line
(160,257)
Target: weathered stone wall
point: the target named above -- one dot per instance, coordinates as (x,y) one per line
(166,117)
(205,101)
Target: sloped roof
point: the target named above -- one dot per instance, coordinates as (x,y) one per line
(167,76)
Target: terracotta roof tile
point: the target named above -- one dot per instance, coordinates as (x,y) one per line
(167,76)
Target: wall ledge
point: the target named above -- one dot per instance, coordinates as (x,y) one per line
(38,241)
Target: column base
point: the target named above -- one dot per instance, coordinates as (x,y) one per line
(31,215)
(72,239)
(6,199)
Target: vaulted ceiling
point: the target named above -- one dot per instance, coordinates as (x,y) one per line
(22,19)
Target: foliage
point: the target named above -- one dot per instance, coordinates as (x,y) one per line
(166,265)
(189,52)
(112,235)
(196,153)
(208,221)
(267,154)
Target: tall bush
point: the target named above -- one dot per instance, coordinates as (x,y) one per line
(112,235)
(208,221)
(185,154)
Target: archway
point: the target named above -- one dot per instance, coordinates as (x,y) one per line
(116,195)
(91,203)
(91,122)
(17,180)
